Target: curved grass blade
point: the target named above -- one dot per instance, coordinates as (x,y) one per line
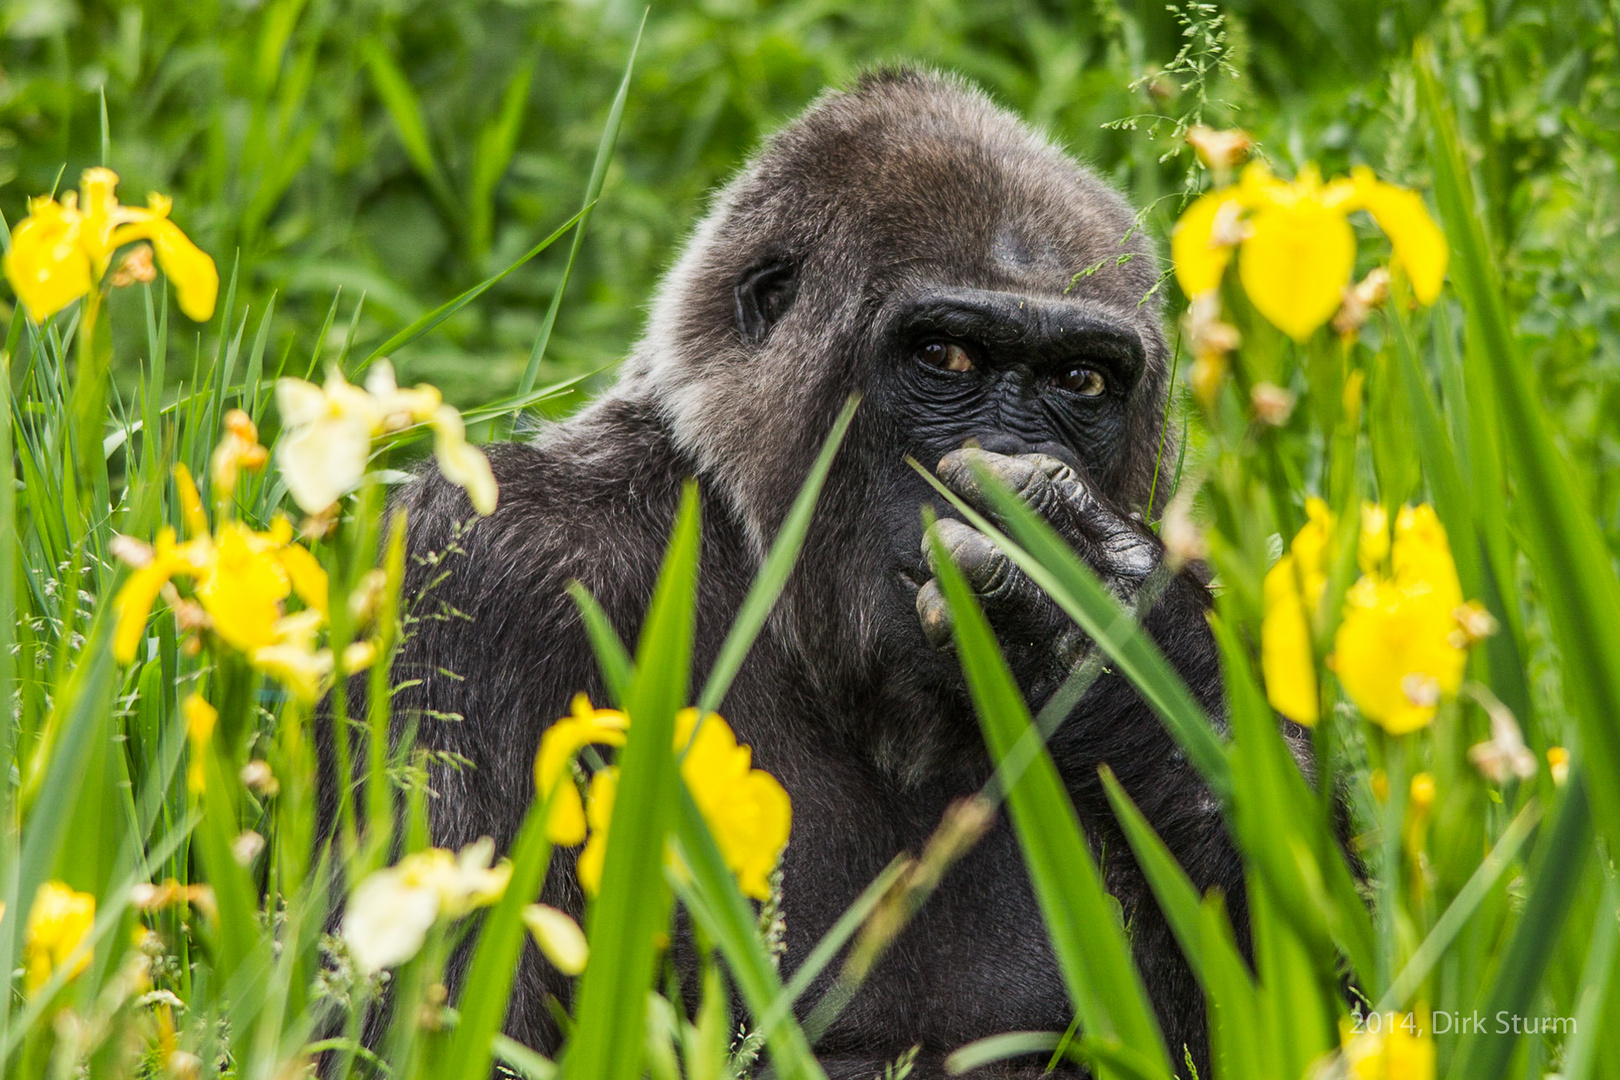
(994,1048)
(773,574)
(1086,935)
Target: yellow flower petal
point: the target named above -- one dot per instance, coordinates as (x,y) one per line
(200,720)
(47,265)
(1295,265)
(191,507)
(559,937)
(1199,261)
(561,742)
(462,463)
(746,809)
(59,920)
(1420,246)
(301,671)
(599,812)
(1286,658)
(189,268)
(243,589)
(1372,548)
(134,599)
(308,576)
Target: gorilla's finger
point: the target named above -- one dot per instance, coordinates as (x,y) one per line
(1013,603)
(934,614)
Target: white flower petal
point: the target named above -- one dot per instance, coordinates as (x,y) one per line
(323,461)
(387,920)
(299,402)
(559,937)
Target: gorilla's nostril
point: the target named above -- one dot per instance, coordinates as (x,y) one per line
(1000,442)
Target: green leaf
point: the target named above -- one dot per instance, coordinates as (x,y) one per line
(1086,935)
(406,110)
(633,907)
(773,573)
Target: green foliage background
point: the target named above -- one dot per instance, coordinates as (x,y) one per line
(273,126)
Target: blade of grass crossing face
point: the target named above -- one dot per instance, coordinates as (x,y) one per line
(593,191)
(1088,940)
(1074,587)
(773,574)
(1560,536)
(633,907)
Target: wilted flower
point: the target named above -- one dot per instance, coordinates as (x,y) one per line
(558,936)
(1397,652)
(1220,151)
(1291,592)
(1297,248)
(1360,300)
(1390,1046)
(135,268)
(330,429)
(58,922)
(238,450)
(390,912)
(1272,404)
(1210,339)
(61,250)
(1504,754)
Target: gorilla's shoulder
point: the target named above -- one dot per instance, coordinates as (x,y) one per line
(594,484)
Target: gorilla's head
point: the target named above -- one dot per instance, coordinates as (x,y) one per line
(908,239)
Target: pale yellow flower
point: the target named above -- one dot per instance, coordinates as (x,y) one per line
(61,250)
(1390,1046)
(59,921)
(1291,592)
(1296,248)
(558,936)
(238,450)
(390,912)
(330,429)
(1397,652)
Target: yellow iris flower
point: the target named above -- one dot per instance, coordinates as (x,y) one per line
(1296,250)
(61,250)
(746,809)
(330,430)
(201,719)
(1400,648)
(59,921)
(1291,592)
(1390,1046)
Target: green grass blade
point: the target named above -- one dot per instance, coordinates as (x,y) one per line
(1462,908)
(405,108)
(1089,942)
(773,574)
(1554,878)
(1560,536)
(593,192)
(633,908)
(1073,586)
(618,670)
(994,1048)
(495,959)
(425,323)
(1580,1052)
(719,907)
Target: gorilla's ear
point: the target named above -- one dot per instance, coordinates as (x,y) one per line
(764,294)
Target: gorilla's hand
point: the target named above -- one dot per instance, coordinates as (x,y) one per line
(1042,642)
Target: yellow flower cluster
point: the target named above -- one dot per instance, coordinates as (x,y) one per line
(241,578)
(330,429)
(61,250)
(58,922)
(1401,646)
(1390,1046)
(746,809)
(1296,250)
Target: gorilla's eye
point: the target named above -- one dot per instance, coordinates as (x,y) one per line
(945,355)
(1087,382)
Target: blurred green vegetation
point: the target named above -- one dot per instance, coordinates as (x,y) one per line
(404,149)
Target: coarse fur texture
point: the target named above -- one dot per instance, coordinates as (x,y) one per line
(895,220)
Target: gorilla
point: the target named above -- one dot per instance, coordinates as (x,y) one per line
(993,305)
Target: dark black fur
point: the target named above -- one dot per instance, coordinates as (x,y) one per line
(904,210)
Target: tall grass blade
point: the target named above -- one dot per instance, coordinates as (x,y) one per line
(1089,942)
